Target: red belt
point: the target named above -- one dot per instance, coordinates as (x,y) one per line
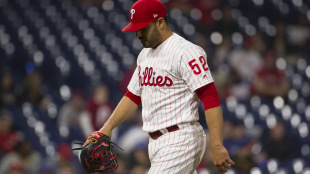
(156,134)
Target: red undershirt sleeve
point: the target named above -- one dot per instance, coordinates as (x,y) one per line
(209,96)
(136,99)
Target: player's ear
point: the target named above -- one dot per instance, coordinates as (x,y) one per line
(160,23)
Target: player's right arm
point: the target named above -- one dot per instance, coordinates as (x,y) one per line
(122,112)
(125,108)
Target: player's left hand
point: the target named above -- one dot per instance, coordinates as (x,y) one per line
(221,158)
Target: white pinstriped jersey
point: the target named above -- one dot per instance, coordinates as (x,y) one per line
(166,79)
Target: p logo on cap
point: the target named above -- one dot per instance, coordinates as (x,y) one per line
(143,12)
(132,11)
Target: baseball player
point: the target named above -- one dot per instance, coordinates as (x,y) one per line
(172,75)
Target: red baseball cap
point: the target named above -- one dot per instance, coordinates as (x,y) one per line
(143,12)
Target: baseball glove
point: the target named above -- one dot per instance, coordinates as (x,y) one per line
(97,156)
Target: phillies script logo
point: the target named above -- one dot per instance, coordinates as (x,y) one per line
(149,79)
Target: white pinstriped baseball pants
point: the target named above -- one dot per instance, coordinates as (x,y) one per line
(177,152)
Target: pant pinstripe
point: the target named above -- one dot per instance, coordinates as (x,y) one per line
(178,152)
